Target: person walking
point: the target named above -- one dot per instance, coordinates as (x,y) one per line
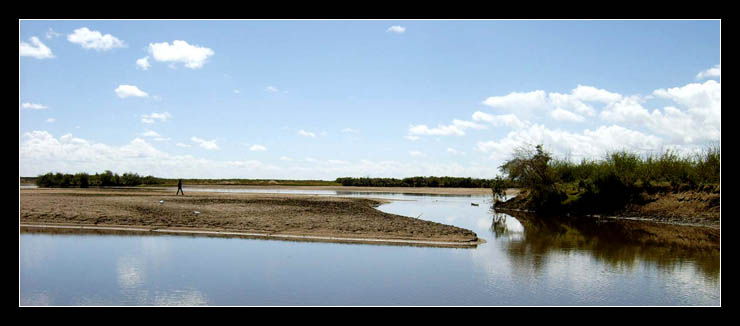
(179,187)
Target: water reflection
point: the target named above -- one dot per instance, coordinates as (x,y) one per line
(622,246)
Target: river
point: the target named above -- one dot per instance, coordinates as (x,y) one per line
(521,264)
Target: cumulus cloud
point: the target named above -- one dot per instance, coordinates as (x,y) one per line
(518,101)
(257,148)
(272,89)
(416,153)
(35,49)
(456,128)
(90,39)
(41,152)
(124,91)
(350,130)
(508,120)
(565,115)
(207,144)
(150,118)
(143,63)
(572,106)
(192,56)
(396,29)
(34,106)
(715,71)
(183,145)
(587,144)
(51,120)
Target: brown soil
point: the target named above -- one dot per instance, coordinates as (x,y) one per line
(259,213)
(698,208)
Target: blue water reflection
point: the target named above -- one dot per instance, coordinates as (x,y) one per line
(511,268)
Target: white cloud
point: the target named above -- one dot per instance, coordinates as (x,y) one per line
(124,91)
(89,39)
(411,138)
(350,130)
(149,118)
(33,106)
(40,152)
(236,91)
(454,151)
(150,133)
(272,89)
(306,133)
(588,144)
(36,49)
(509,120)
(51,33)
(209,145)
(396,29)
(715,71)
(285,158)
(456,128)
(255,148)
(192,56)
(183,145)
(593,94)
(143,63)
(51,120)
(518,101)
(628,109)
(416,153)
(565,115)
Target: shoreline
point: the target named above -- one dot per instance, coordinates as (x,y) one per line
(141,230)
(300,217)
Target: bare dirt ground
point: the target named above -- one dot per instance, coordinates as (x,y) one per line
(245,212)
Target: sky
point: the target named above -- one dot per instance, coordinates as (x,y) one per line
(321,99)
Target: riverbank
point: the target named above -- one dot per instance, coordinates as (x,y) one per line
(688,207)
(309,217)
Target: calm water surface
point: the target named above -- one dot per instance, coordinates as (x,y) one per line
(522,263)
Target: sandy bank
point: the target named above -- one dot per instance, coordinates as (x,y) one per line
(262,215)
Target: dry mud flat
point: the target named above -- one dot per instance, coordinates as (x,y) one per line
(319,217)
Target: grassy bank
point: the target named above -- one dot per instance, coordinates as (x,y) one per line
(621,181)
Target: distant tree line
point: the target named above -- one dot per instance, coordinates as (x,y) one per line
(84,180)
(435,182)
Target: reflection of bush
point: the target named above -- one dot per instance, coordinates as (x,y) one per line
(617,243)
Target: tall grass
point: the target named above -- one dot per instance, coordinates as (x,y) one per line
(606,185)
(667,168)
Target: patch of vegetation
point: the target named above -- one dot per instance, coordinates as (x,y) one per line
(84,180)
(607,185)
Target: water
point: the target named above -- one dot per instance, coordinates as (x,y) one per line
(522,263)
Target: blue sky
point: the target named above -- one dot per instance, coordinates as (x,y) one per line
(315,99)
